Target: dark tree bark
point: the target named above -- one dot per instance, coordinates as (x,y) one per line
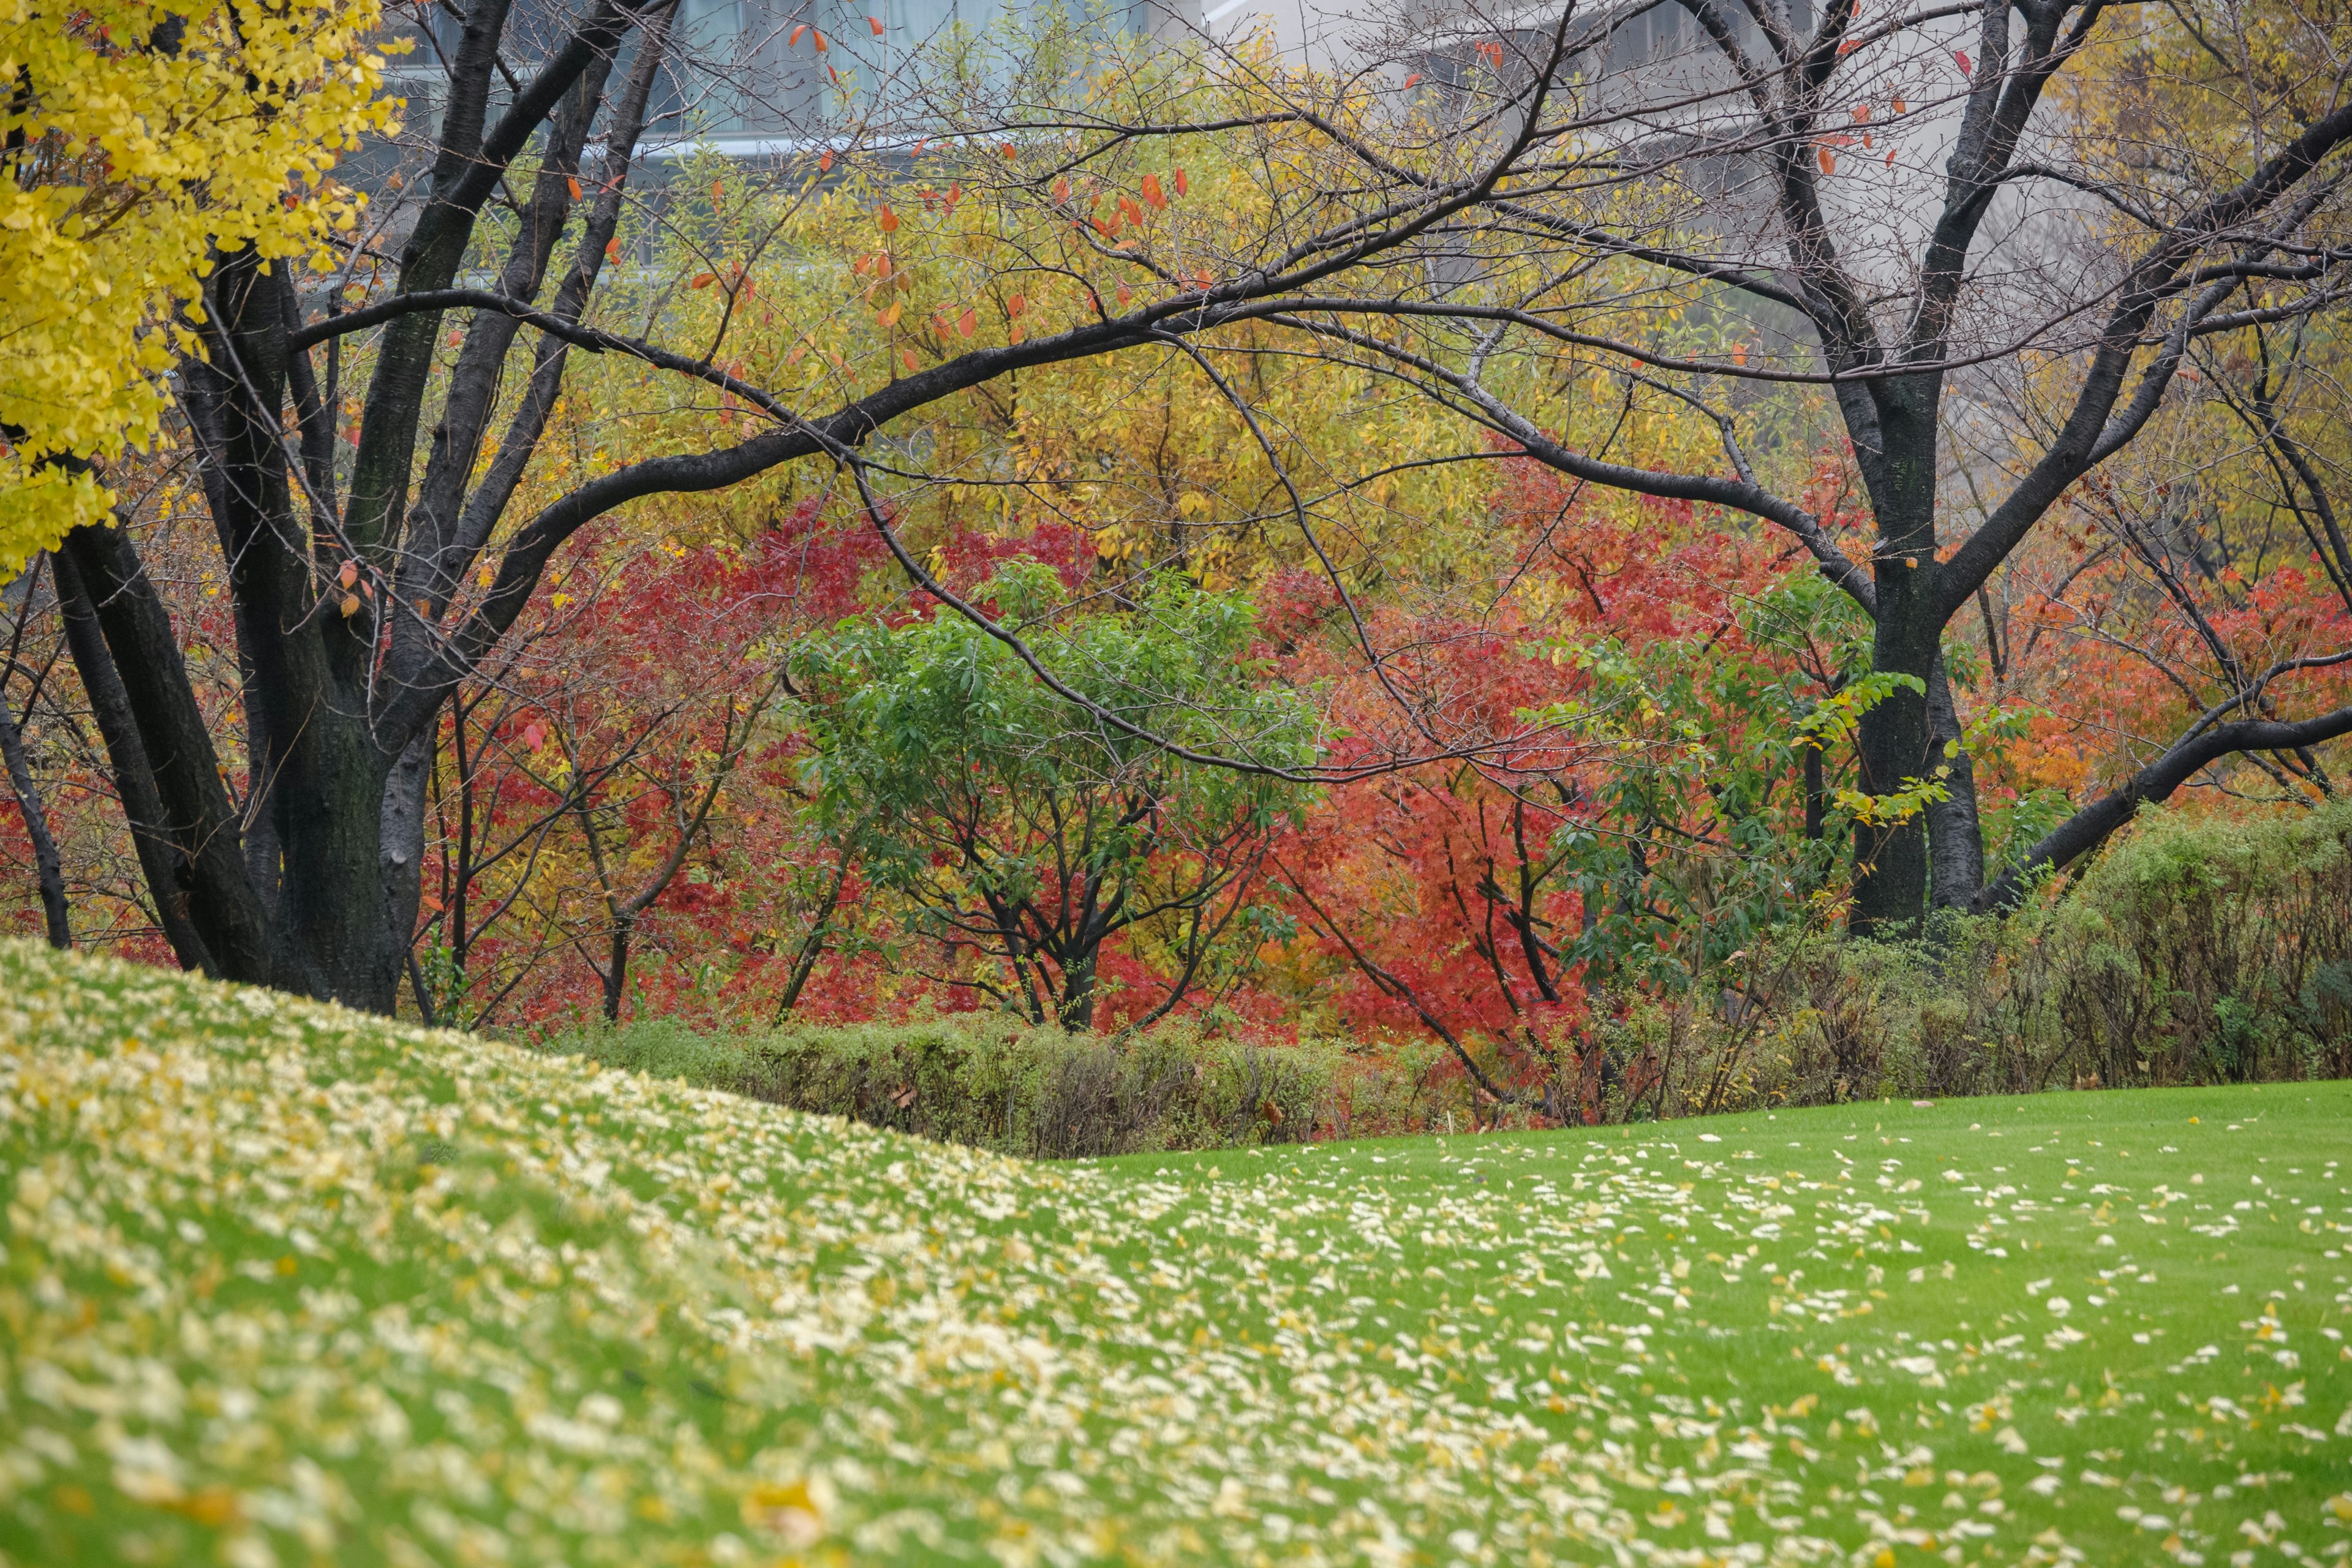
(161,860)
(55,916)
(99,570)
(2090,826)
(1817,795)
(1954,835)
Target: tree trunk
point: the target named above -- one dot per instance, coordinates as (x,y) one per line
(1076,1012)
(338,940)
(180,814)
(1817,805)
(37,828)
(616,971)
(1890,859)
(1955,832)
(812,946)
(401,869)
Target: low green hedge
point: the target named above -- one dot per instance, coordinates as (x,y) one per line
(991,1083)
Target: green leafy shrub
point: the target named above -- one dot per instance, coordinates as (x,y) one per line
(2214,950)
(2198,950)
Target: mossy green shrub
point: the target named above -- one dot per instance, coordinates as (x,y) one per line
(994,1083)
(2198,948)
(2212,951)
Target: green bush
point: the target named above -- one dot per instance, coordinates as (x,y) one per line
(2216,950)
(989,1081)
(2197,950)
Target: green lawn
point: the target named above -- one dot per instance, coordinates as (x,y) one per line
(283,1285)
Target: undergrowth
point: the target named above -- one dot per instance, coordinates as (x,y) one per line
(2198,950)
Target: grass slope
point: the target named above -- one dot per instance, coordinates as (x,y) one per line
(285,1285)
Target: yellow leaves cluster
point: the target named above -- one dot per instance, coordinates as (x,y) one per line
(143,137)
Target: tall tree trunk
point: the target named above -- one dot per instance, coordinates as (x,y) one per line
(1817,805)
(46,869)
(401,867)
(160,860)
(346,803)
(1955,833)
(616,967)
(1076,1012)
(1890,880)
(813,946)
(1890,859)
(169,746)
(339,938)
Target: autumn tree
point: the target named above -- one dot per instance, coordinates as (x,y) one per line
(1680,703)
(592,785)
(1876,216)
(2200,580)
(683,664)
(135,139)
(373,449)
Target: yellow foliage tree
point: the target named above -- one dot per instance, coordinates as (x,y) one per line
(134,140)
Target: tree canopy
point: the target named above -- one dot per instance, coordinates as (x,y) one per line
(1029,834)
